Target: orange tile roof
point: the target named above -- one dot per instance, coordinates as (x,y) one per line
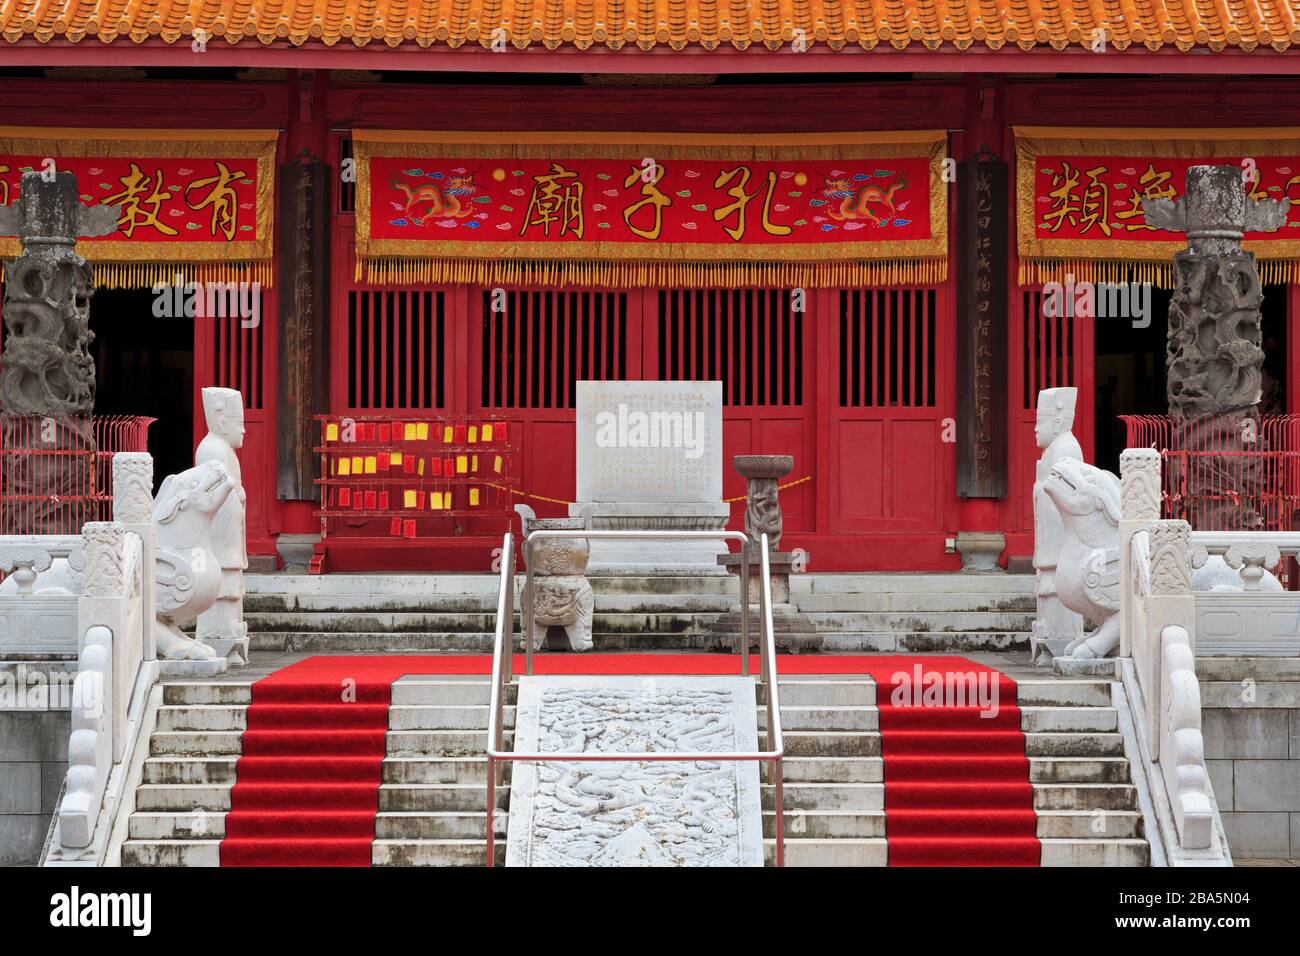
(677,24)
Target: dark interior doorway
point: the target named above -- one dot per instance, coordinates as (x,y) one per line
(144,365)
(1130,369)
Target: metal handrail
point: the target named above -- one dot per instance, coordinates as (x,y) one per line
(503,670)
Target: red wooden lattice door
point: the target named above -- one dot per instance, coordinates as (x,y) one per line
(1046,351)
(891,469)
(234,351)
(527,352)
(533,346)
(756,342)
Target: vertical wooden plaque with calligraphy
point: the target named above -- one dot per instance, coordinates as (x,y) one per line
(303,219)
(983,215)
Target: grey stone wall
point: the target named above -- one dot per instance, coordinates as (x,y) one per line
(1250,713)
(33,763)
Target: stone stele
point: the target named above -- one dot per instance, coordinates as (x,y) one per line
(630,813)
(649,458)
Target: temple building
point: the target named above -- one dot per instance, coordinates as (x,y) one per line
(405,232)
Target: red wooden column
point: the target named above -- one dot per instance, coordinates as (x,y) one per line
(983,129)
(303,238)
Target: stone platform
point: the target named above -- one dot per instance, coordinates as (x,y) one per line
(887,613)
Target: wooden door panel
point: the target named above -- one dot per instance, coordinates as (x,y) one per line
(757,343)
(890,467)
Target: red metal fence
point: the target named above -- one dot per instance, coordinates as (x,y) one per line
(56,473)
(1231,472)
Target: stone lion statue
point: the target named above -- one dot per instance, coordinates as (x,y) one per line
(1087,570)
(188,572)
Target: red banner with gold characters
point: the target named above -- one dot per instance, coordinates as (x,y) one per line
(195,202)
(1079,197)
(631,208)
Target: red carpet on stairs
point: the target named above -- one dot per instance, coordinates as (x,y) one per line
(307,784)
(957,789)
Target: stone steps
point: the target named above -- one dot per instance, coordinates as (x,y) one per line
(167,852)
(833,851)
(636,623)
(433,794)
(874,852)
(378,586)
(938,583)
(716,600)
(225,717)
(915,602)
(435,852)
(481,642)
(885,613)
(1052,824)
(924,642)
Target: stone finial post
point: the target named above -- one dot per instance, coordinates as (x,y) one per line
(1169,605)
(1139,479)
(1214,358)
(104,559)
(133,508)
(763,500)
(133,487)
(1171,558)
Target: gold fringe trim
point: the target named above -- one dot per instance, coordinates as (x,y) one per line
(727,275)
(1041,271)
(145,275)
(1035,272)
(1278,271)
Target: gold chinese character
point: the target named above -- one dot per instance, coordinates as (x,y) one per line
(1064,205)
(221,197)
(1154,185)
(1096,203)
(649,190)
(742,199)
(141,199)
(557,198)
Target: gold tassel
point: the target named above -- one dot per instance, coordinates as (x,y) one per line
(622,274)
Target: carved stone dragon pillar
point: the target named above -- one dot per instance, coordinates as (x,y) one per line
(47,385)
(1214,356)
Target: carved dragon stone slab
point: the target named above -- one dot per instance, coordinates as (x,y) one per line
(647,813)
